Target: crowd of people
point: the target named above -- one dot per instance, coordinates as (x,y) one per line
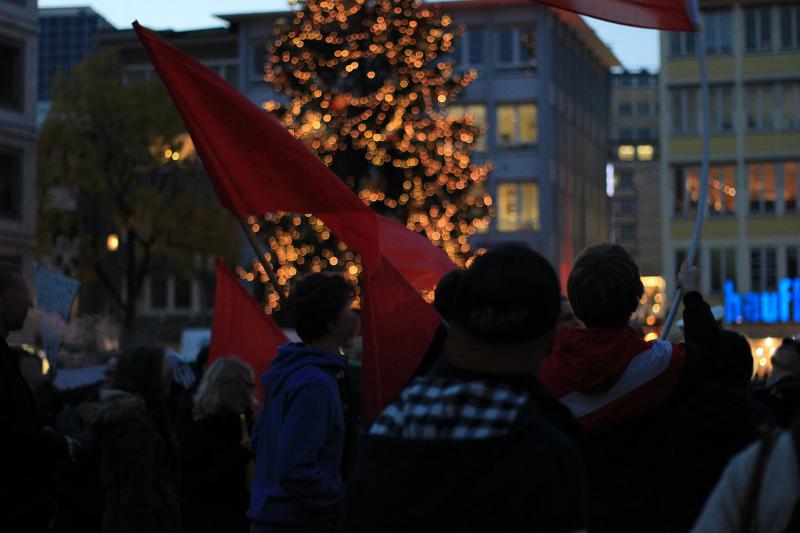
(529,412)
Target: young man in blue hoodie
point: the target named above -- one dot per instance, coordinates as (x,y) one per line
(298,438)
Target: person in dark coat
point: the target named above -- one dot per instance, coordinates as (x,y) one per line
(215,451)
(707,428)
(622,388)
(30,454)
(781,393)
(299,436)
(138,450)
(477,443)
(444,301)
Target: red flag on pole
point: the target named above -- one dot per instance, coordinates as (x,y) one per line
(673,15)
(257,166)
(240,327)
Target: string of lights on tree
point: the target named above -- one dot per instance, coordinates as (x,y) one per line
(365,84)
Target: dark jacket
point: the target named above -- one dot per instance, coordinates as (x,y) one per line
(134,466)
(626,460)
(214,486)
(30,455)
(705,431)
(782,398)
(528,479)
(298,441)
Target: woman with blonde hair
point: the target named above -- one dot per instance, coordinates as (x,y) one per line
(216,453)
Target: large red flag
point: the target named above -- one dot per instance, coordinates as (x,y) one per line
(240,327)
(257,166)
(657,14)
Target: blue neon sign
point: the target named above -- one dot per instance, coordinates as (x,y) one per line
(764,307)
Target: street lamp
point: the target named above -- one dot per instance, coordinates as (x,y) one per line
(112,242)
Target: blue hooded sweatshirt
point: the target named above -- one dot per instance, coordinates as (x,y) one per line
(298,440)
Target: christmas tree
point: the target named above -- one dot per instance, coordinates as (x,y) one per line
(365,83)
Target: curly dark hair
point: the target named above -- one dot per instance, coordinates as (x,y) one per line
(604,286)
(509,295)
(315,301)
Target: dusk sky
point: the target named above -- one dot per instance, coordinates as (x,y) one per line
(636,48)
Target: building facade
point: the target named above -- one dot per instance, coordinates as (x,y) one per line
(18,55)
(65,38)
(751,235)
(542,97)
(636,222)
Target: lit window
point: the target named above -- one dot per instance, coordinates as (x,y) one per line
(478,114)
(517,125)
(721,189)
(518,207)
(626,152)
(761,187)
(644,152)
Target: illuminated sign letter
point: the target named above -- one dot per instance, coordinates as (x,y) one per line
(733,305)
(785,291)
(769,307)
(751,307)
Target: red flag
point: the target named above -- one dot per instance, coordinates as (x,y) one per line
(257,166)
(657,14)
(240,327)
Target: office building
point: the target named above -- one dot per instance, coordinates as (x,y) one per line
(751,236)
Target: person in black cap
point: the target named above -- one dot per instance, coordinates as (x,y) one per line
(475,444)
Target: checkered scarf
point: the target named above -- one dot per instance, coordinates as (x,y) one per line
(450,409)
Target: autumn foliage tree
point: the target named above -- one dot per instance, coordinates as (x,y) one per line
(365,84)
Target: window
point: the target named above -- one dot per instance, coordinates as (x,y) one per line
(717,25)
(10,184)
(721,189)
(258,51)
(761,106)
(685,115)
(626,134)
(682,44)
(790,27)
(758,29)
(792,265)
(231,74)
(626,152)
(721,100)
(625,179)
(516,47)
(791,185)
(723,268)
(645,152)
(761,187)
(625,109)
(183,293)
(628,232)
(763,269)
(627,207)
(478,114)
(10,75)
(517,125)
(473,46)
(788,105)
(643,134)
(158,293)
(644,109)
(518,207)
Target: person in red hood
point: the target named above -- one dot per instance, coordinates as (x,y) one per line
(621,388)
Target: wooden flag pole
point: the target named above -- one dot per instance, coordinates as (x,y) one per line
(262,258)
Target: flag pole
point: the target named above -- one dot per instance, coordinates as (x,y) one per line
(262,258)
(704,169)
